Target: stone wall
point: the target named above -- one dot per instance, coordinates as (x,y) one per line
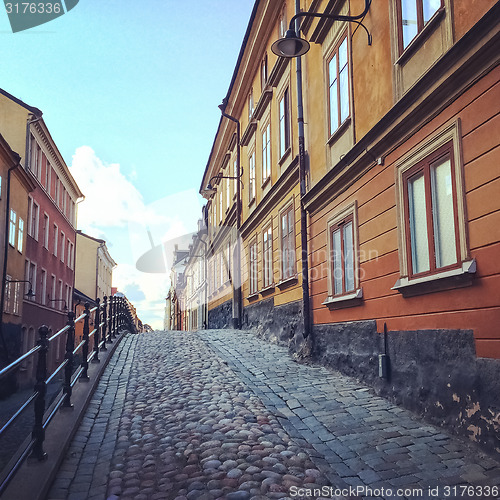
(221,316)
(433,372)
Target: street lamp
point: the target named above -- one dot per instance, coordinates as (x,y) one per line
(294,46)
(30,293)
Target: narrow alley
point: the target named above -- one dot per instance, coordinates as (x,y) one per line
(220,415)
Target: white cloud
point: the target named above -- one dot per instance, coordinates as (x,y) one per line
(114,210)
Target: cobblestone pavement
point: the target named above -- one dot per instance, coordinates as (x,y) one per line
(223,415)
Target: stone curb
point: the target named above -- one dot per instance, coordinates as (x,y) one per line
(33,480)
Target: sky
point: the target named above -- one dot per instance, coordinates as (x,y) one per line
(130,92)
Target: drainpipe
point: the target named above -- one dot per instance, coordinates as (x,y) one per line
(5,255)
(302,179)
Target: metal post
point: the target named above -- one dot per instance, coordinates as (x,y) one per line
(68,370)
(115,302)
(104,322)
(97,325)
(110,319)
(38,433)
(85,348)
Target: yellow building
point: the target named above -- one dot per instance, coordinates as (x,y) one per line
(15,184)
(94,266)
(258,126)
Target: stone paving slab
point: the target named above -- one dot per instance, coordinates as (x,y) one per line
(224,415)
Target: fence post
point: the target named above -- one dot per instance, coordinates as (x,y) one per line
(97,325)
(110,319)
(115,317)
(85,348)
(68,370)
(38,433)
(104,322)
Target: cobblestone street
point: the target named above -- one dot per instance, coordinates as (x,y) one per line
(222,414)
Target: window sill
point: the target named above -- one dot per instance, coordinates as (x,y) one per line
(285,156)
(268,289)
(420,38)
(340,130)
(266,182)
(446,280)
(292,280)
(253,296)
(342,299)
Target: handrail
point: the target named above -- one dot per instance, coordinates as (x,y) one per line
(105,321)
(18,361)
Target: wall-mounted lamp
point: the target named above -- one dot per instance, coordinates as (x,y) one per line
(30,293)
(294,46)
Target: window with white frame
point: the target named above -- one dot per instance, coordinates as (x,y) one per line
(46,230)
(53,287)
(338,85)
(8,294)
(32,278)
(56,237)
(12,228)
(251,173)
(63,245)
(266,153)
(284,123)
(342,256)
(20,236)
(282,22)
(34,213)
(263,73)
(17,299)
(228,193)
(413,15)
(429,203)
(254,285)
(287,235)
(43,287)
(431,212)
(251,106)
(267,257)
(221,201)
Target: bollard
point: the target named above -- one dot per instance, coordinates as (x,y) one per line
(110,319)
(85,348)
(68,370)
(97,324)
(38,433)
(104,322)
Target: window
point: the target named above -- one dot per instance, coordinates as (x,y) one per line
(263,73)
(221,202)
(63,242)
(71,255)
(342,256)
(12,228)
(228,194)
(266,153)
(36,158)
(253,268)
(413,15)
(287,243)
(282,24)
(53,288)
(56,236)
(20,236)
(251,171)
(267,257)
(46,231)
(33,214)
(250,105)
(8,295)
(60,302)
(32,278)
(17,298)
(429,194)
(338,85)
(284,114)
(43,287)
(215,209)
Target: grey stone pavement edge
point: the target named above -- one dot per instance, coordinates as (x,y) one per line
(220,414)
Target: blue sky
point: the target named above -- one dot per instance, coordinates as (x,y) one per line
(129,91)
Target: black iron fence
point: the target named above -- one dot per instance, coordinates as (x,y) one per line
(110,316)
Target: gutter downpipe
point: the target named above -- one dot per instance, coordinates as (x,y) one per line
(302,179)
(237,321)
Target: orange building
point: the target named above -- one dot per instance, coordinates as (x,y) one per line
(398,208)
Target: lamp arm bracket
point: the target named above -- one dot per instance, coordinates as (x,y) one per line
(335,17)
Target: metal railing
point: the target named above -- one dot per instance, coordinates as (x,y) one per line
(109,317)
